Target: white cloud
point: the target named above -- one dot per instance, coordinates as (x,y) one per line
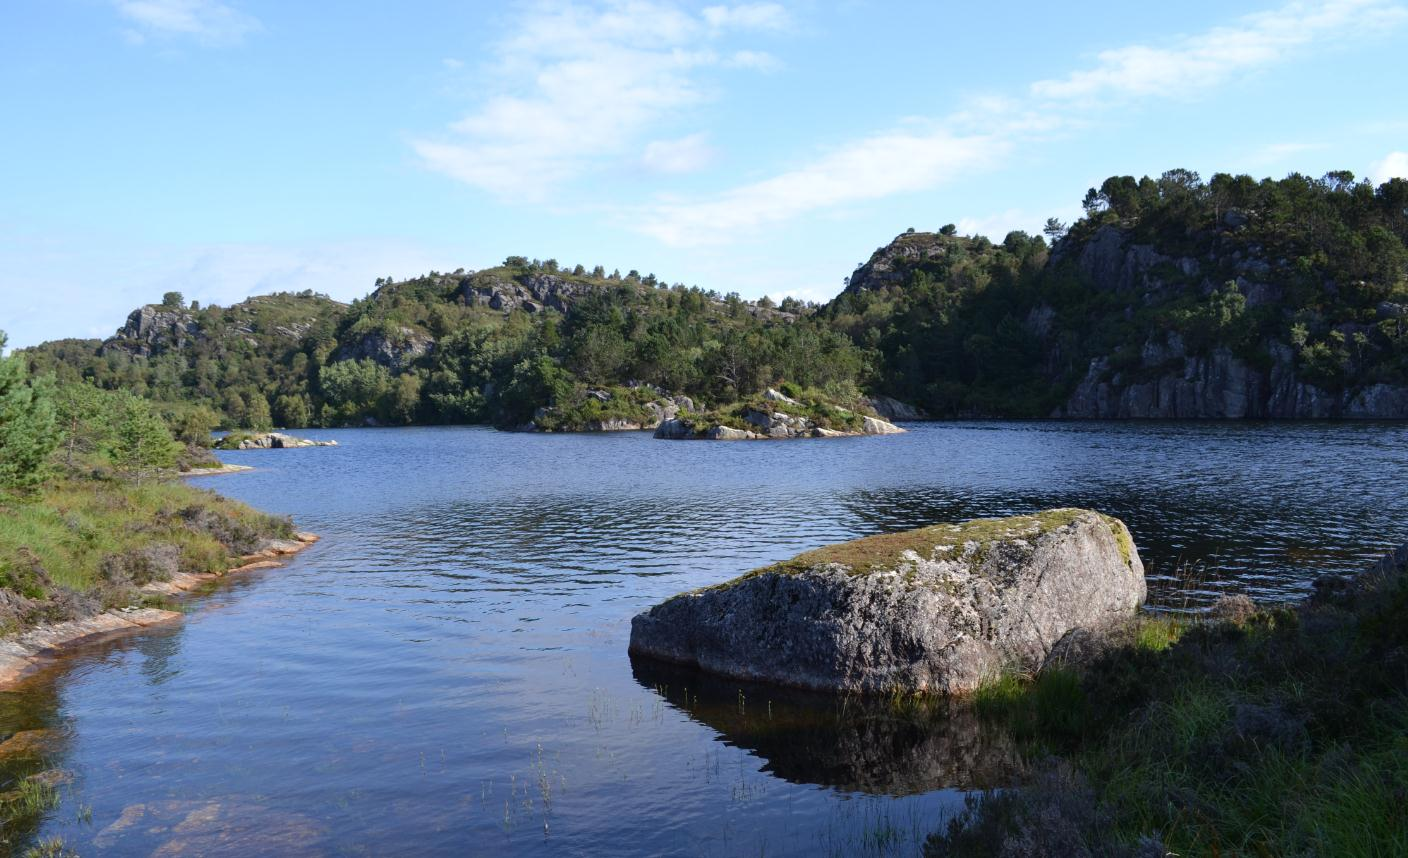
(207,21)
(1393,166)
(1274,154)
(685,155)
(1211,58)
(868,169)
(903,161)
(756,60)
(748,16)
(582,83)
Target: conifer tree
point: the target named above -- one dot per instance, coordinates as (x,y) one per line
(141,442)
(28,433)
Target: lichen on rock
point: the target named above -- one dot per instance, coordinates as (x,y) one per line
(938,609)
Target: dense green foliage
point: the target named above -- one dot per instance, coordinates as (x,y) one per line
(243,360)
(84,520)
(27,426)
(424,350)
(1273,732)
(1298,270)
(964,325)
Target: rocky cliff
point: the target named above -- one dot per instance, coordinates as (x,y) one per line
(1171,381)
(1121,320)
(266,322)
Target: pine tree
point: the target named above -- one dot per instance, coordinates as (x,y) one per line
(141,444)
(84,417)
(28,433)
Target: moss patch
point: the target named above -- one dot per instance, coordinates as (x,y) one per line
(885,551)
(1122,538)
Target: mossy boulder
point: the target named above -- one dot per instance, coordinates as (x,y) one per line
(939,609)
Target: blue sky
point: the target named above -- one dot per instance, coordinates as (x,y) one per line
(225,148)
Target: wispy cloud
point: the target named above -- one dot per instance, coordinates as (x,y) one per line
(1276,154)
(868,169)
(1209,59)
(685,155)
(583,83)
(903,160)
(1393,166)
(206,21)
(748,16)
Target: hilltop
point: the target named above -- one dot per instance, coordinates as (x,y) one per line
(527,340)
(1170,298)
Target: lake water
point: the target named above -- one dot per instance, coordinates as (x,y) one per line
(446,672)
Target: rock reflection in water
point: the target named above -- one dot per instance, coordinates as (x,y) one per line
(871,746)
(33,748)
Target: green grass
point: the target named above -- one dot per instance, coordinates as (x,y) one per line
(1285,733)
(1051,707)
(1156,634)
(841,413)
(67,535)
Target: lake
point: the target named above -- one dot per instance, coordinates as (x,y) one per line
(446,672)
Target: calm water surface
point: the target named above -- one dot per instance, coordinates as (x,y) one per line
(446,672)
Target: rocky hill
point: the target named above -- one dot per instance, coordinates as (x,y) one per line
(527,344)
(1172,298)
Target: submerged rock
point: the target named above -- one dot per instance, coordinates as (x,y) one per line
(939,609)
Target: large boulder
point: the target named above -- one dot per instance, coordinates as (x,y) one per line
(939,609)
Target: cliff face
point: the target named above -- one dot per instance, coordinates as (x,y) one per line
(1170,381)
(1118,321)
(264,322)
(154,329)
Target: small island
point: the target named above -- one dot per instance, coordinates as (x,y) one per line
(774,414)
(266,441)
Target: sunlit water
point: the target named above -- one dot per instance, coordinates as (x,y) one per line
(446,672)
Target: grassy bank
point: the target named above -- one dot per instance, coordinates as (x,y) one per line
(81,545)
(1261,732)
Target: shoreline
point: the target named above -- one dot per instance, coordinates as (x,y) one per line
(42,645)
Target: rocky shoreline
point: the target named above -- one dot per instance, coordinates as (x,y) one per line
(37,647)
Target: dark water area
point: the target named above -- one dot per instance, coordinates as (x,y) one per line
(446,672)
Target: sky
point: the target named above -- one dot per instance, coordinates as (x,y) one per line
(228,148)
